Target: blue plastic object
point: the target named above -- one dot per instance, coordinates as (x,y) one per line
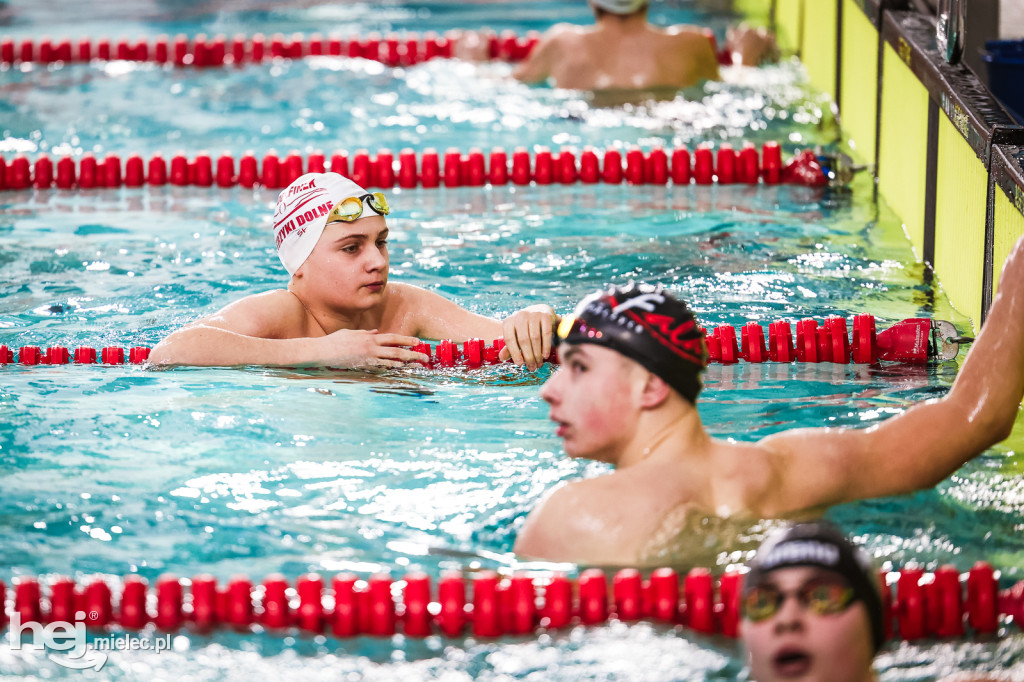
(1005,62)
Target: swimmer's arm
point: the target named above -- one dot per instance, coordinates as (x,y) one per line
(697,48)
(246,331)
(527,332)
(929,441)
(267,329)
(432,316)
(705,61)
(751,46)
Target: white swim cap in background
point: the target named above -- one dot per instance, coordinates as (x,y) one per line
(301,214)
(619,6)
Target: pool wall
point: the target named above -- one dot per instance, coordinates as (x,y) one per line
(947,157)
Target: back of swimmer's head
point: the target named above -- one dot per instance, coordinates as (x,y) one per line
(302,211)
(646,324)
(619,7)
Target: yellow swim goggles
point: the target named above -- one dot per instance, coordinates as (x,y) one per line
(821,597)
(351,209)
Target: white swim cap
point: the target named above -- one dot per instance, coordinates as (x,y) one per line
(301,214)
(619,6)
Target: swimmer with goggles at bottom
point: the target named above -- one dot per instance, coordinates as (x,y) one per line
(812,609)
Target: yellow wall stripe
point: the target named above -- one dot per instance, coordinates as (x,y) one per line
(821,18)
(1009,227)
(787,25)
(903,145)
(960,200)
(859,86)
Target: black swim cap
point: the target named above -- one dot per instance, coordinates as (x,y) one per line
(646,324)
(821,544)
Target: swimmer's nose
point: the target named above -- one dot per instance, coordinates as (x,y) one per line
(790,617)
(549,391)
(377,260)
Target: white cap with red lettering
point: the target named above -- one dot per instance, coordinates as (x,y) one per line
(301,214)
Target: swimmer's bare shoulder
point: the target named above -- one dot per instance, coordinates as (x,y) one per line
(276,314)
(594,521)
(692,49)
(557,42)
(415,311)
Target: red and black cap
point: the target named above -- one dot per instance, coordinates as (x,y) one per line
(647,324)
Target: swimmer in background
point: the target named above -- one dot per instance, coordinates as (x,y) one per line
(626,392)
(623,52)
(812,609)
(339,309)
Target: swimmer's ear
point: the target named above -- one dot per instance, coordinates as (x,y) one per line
(655,391)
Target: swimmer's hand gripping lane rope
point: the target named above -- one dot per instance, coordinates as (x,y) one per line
(724,166)
(914,341)
(932,605)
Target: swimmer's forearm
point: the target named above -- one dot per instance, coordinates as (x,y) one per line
(202,346)
(990,384)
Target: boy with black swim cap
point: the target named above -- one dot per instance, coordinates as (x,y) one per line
(626,394)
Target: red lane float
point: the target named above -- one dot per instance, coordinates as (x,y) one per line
(219,51)
(926,605)
(393,50)
(654,167)
(913,341)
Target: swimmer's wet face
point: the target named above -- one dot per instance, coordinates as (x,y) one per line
(592,397)
(349,264)
(803,623)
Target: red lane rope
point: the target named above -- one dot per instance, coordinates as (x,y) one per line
(407,49)
(924,605)
(704,166)
(906,341)
(202,51)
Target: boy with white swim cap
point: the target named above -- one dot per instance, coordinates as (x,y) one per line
(626,394)
(623,52)
(339,309)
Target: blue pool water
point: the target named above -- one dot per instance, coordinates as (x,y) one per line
(110,471)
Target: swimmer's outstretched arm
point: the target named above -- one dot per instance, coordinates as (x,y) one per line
(269,329)
(527,332)
(925,444)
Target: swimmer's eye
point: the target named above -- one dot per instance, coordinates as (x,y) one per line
(382,242)
(827,597)
(350,248)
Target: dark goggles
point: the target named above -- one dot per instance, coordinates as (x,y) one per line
(351,209)
(821,597)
